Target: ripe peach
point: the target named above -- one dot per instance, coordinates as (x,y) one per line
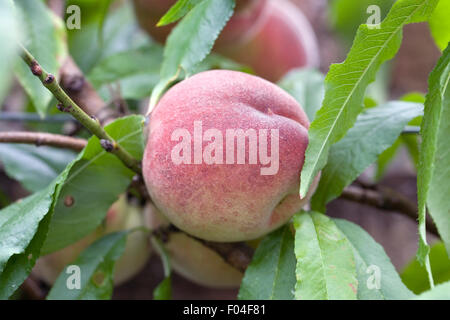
(284,40)
(121,216)
(225,193)
(259,32)
(149,12)
(191,259)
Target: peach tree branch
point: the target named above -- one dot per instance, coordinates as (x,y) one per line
(385,199)
(66,104)
(40,138)
(239,254)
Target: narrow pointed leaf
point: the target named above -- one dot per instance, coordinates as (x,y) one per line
(415,276)
(95,268)
(433,177)
(164,290)
(325,262)
(347,82)
(377,277)
(375,130)
(135,70)
(34,167)
(9,35)
(93,185)
(178,11)
(41,39)
(271,274)
(440,24)
(23,228)
(440,292)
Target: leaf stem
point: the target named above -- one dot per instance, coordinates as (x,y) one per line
(66,104)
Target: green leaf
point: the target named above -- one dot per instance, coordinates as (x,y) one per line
(433,177)
(375,131)
(178,11)
(136,70)
(96,271)
(34,167)
(440,292)
(191,41)
(415,276)
(440,24)
(94,183)
(103,12)
(21,237)
(325,262)
(347,15)
(164,290)
(307,87)
(93,43)
(23,228)
(42,42)
(435,145)
(413,97)
(377,277)
(346,83)
(271,274)
(9,35)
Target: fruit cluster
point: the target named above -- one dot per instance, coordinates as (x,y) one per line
(271,36)
(225,149)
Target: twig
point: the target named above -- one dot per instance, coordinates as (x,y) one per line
(68,105)
(40,139)
(237,254)
(32,290)
(386,199)
(83,93)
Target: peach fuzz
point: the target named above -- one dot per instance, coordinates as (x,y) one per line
(226,202)
(283,41)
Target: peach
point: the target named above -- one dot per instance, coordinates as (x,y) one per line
(284,41)
(271,36)
(149,12)
(200,181)
(121,216)
(191,259)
